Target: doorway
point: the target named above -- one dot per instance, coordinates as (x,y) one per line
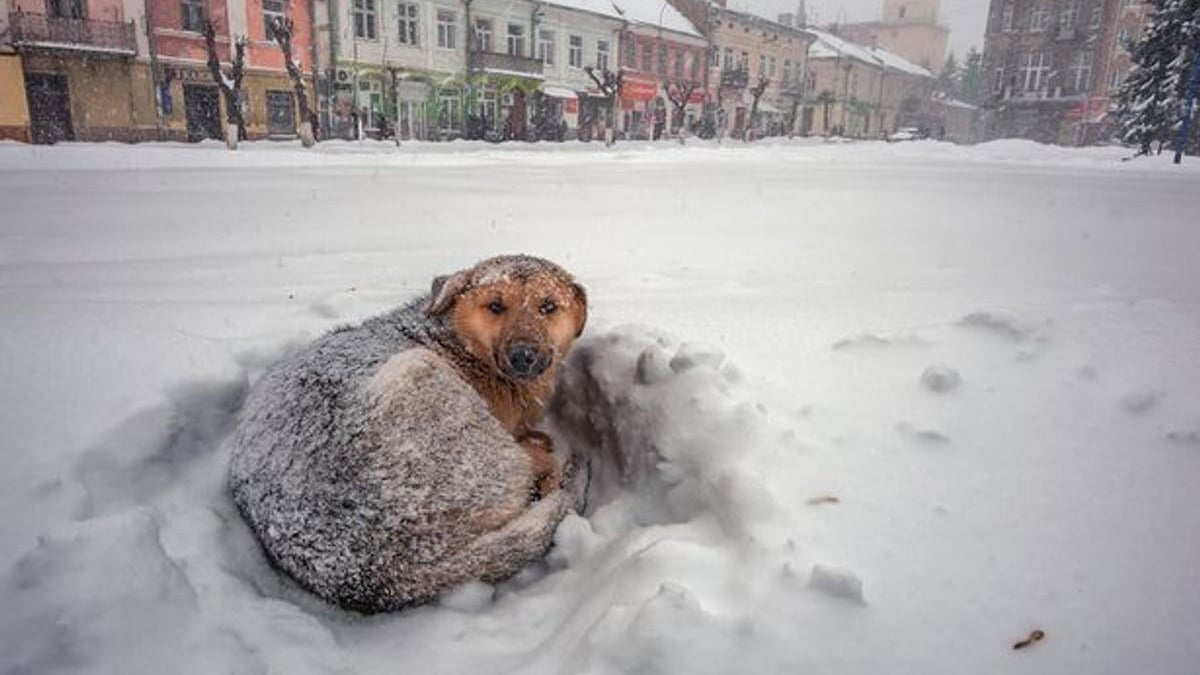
(202,106)
(49,108)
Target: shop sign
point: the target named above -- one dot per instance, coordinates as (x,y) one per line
(639,90)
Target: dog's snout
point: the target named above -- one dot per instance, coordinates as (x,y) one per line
(525,361)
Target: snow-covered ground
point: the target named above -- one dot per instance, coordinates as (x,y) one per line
(907,403)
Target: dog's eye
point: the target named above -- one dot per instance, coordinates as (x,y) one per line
(496,307)
(548,307)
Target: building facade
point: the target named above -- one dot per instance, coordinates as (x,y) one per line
(1052,67)
(659,57)
(745,51)
(94,70)
(72,65)
(864,92)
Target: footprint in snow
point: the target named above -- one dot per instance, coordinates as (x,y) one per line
(927,436)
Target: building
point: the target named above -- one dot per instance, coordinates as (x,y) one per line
(909,28)
(189,102)
(661,51)
(1053,67)
(94,70)
(746,50)
(864,92)
(68,72)
(518,73)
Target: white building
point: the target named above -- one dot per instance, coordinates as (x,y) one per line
(447,68)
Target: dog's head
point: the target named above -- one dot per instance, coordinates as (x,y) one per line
(517,314)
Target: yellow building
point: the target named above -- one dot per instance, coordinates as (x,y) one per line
(14,109)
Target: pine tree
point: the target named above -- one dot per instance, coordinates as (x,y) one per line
(1149,101)
(972,72)
(950,77)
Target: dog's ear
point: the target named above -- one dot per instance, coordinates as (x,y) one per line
(444,290)
(582,300)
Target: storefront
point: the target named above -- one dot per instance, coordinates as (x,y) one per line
(643,110)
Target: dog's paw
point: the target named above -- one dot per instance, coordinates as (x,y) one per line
(537,441)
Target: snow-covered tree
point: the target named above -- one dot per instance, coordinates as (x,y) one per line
(1150,99)
(230,85)
(970,77)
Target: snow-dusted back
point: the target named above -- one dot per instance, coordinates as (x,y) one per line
(377,477)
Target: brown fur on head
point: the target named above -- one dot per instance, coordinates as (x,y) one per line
(516,315)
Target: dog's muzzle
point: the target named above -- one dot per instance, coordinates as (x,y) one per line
(524,361)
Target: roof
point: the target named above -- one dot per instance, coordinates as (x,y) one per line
(830,46)
(655,13)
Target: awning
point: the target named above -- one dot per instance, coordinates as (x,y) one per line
(559,92)
(639,90)
(763,106)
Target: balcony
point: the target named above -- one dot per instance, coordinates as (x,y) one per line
(736,78)
(506,64)
(40,31)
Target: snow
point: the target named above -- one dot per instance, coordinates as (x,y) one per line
(774,484)
(652,13)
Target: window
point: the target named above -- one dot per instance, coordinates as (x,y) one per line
(1097,15)
(714,58)
(194,15)
(762,65)
(602,55)
(771,67)
(1068,15)
(67,9)
(364,19)
(447,29)
(1006,18)
(998,81)
(545,47)
(1033,71)
(575,51)
(787,71)
(728,59)
(483,35)
(281,112)
(1038,17)
(409,28)
(647,57)
(630,53)
(272,10)
(677,57)
(662,59)
(744,61)
(694,66)
(1081,72)
(516,39)
(1132,3)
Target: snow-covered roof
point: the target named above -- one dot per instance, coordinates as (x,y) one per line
(658,13)
(830,46)
(897,62)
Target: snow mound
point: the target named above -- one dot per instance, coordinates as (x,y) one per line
(673,566)
(940,378)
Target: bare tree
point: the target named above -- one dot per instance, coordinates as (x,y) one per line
(230,85)
(756,91)
(610,85)
(282,29)
(679,93)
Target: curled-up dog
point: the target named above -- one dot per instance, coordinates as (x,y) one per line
(393,460)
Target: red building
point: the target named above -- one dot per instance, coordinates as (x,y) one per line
(189,101)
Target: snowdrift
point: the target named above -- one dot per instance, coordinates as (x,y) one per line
(159,571)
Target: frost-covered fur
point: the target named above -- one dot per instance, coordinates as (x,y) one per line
(375,475)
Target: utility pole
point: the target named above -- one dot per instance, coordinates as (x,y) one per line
(1189,105)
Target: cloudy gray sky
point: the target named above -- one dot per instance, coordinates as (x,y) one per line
(966,18)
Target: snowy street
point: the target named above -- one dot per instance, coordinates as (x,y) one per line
(944,396)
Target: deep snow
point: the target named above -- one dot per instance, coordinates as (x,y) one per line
(877,408)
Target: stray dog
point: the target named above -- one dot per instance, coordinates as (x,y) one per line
(391,461)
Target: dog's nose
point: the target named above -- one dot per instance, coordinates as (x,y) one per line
(524,361)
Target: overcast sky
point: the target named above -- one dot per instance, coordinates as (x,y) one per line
(966,18)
